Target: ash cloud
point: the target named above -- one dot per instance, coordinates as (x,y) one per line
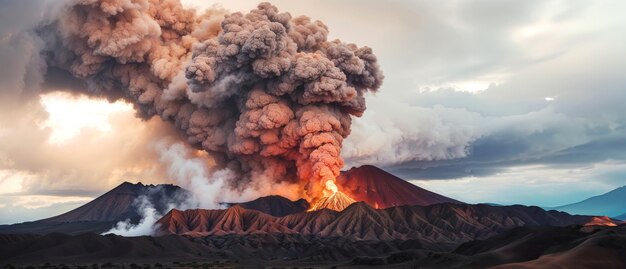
(20,47)
(265,94)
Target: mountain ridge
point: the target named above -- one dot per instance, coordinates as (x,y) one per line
(448,223)
(611,204)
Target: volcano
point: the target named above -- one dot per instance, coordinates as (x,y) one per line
(337,201)
(381,189)
(120,203)
(99,215)
(285,233)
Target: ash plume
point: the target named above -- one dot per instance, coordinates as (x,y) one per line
(267,95)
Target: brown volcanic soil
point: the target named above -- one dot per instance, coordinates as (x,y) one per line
(380,189)
(550,247)
(234,220)
(441,223)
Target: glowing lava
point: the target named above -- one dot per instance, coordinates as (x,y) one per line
(330,187)
(333,199)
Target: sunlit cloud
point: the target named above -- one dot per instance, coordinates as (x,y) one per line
(39,201)
(11,180)
(68,115)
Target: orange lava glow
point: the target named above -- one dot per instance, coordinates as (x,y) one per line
(330,187)
(332,198)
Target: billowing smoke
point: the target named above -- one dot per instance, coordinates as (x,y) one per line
(265,94)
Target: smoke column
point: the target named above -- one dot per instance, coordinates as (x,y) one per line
(267,95)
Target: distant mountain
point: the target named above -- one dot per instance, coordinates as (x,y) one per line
(120,203)
(612,204)
(380,189)
(441,223)
(275,205)
(99,215)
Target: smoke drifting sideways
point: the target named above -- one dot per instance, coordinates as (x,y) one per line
(266,95)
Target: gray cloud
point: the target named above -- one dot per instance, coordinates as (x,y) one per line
(570,57)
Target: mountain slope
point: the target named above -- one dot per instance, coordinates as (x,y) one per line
(234,220)
(612,204)
(549,247)
(380,189)
(440,223)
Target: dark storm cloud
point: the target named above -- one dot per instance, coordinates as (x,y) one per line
(609,148)
(492,155)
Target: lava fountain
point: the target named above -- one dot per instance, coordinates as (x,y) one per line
(332,198)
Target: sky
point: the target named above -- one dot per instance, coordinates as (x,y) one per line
(508,102)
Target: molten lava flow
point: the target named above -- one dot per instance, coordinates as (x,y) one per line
(333,199)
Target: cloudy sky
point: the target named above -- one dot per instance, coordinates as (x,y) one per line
(483,101)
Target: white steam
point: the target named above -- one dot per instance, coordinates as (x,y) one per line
(193,174)
(209,187)
(146,226)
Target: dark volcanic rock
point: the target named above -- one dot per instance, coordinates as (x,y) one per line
(523,247)
(275,205)
(254,249)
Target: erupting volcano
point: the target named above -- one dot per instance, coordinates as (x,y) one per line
(333,199)
(265,94)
